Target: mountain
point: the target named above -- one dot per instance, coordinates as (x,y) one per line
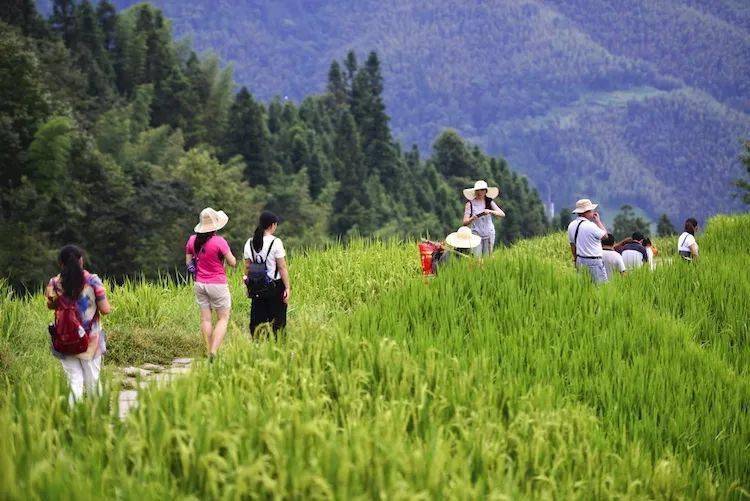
(638,101)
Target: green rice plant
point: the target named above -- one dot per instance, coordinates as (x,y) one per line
(513,377)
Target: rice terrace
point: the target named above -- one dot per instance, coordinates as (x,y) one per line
(389,386)
(374,250)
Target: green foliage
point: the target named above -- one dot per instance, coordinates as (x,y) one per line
(493,379)
(742,183)
(626,223)
(115,137)
(665,228)
(636,102)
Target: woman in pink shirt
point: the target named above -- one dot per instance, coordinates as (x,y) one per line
(205,254)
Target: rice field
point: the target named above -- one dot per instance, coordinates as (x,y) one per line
(513,378)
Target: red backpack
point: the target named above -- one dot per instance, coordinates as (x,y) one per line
(68,335)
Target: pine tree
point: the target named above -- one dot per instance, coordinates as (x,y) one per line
(336,86)
(106,15)
(350,172)
(626,223)
(63,20)
(247,135)
(743,184)
(351,69)
(23,13)
(664,227)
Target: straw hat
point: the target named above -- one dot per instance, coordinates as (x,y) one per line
(211,220)
(463,239)
(470,193)
(584,205)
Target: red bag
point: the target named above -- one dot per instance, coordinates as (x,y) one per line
(68,335)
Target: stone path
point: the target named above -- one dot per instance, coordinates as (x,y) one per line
(136,378)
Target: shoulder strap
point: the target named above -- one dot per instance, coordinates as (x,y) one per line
(684,239)
(471,208)
(268,253)
(575,238)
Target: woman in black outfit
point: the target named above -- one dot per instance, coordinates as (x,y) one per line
(266,275)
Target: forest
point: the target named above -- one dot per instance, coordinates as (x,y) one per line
(634,102)
(114,135)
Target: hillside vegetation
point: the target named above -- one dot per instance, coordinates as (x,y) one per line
(511,377)
(629,102)
(115,136)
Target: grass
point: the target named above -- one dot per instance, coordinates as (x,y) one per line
(511,378)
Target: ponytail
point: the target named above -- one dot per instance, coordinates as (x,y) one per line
(266,220)
(200,241)
(71,273)
(690,225)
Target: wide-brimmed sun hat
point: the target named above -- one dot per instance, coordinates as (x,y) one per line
(492,192)
(211,220)
(584,205)
(463,239)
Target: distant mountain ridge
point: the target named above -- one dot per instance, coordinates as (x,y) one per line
(636,101)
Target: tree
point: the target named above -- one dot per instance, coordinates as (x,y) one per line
(248,136)
(63,20)
(24,102)
(23,13)
(563,219)
(106,15)
(665,228)
(336,86)
(743,184)
(626,223)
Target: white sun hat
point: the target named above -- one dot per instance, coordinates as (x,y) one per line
(463,239)
(470,193)
(584,205)
(211,220)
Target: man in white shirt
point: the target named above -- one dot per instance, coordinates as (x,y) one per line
(585,236)
(613,261)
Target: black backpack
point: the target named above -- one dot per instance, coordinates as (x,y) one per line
(259,285)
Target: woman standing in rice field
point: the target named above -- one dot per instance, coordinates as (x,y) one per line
(205,255)
(478,214)
(266,275)
(687,246)
(78,341)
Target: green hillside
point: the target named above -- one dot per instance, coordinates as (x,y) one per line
(115,136)
(514,377)
(495,70)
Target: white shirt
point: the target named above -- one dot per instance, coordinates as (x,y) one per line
(632,259)
(589,237)
(685,241)
(277,252)
(613,262)
(651,262)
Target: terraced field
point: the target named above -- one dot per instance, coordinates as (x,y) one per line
(508,378)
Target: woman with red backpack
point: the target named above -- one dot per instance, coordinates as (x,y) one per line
(266,275)
(205,255)
(78,298)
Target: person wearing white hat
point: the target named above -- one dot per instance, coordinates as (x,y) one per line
(478,213)
(585,235)
(462,242)
(205,255)
(464,238)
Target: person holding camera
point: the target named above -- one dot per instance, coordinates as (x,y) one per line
(205,255)
(478,213)
(585,235)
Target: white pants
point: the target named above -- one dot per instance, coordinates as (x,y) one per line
(82,373)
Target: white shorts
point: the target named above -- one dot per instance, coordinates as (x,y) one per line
(213,296)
